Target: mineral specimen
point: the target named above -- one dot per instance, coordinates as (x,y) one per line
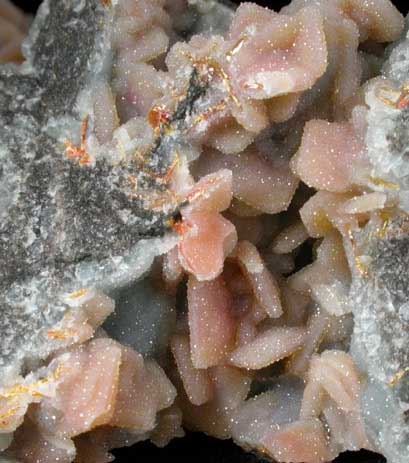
(166,167)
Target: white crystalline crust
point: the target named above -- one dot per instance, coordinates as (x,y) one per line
(387,133)
(56,124)
(380,342)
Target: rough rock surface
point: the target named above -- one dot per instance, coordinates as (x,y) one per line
(61,224)
(380,296)
(380,335)
(388,135)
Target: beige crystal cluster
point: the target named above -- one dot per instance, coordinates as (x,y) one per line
(262,129)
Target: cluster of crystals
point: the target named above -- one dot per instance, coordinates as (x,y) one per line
(261,132)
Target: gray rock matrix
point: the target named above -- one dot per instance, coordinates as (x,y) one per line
(62,226)
(380,299)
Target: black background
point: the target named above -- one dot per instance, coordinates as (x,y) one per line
(198,448)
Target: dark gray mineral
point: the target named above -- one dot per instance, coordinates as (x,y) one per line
(63,226)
